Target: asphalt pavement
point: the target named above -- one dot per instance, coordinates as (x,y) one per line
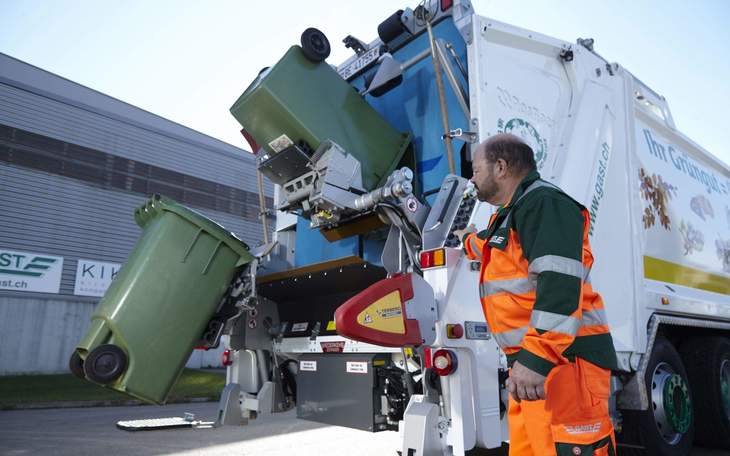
(92,431)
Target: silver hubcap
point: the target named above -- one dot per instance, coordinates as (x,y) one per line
(662,374)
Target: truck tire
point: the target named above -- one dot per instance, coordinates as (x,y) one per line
(708,365)
(667,426)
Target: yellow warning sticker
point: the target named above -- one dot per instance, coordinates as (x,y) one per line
(331,325)
(385,314)
(408,351)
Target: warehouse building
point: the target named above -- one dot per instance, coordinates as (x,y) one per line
(74,164)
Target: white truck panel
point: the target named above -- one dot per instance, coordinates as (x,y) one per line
(587,122)
(476,395)
(685,223)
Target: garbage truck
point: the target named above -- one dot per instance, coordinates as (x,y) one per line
(363,311)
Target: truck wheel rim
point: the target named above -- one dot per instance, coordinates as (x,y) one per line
(677,403)
(725,386)
(670,403)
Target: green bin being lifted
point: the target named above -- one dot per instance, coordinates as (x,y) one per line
(300,100)
(158,306)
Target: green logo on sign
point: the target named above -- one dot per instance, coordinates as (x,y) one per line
(16,264)
(524,130)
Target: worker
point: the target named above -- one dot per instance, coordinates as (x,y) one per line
(535,290)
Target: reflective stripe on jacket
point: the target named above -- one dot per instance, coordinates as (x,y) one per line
(534,281)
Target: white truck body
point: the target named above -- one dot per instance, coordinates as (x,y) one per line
(597,127)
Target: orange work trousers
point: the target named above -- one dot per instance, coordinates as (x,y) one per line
(573,419)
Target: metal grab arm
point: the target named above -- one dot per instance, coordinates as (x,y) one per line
(399,184)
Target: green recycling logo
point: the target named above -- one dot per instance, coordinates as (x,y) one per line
(528,133)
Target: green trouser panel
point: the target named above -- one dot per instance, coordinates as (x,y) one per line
(574,449)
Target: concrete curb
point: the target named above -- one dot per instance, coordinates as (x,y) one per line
(107,403)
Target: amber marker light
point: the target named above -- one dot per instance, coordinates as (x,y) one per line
(433,258)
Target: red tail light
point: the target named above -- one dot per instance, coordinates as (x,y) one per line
(446,4)
(227,358)
(433,258)
(427,361)
(444,362)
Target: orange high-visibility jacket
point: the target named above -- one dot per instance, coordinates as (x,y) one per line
(534,281)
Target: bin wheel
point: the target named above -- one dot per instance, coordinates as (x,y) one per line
(708,366)
(76,365)
(105,364)
(315,45)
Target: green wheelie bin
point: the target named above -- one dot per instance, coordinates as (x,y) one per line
(299,100)
(158,306)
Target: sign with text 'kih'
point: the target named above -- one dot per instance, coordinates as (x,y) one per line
(25,271)
(94,277)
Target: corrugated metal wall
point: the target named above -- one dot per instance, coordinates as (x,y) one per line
(38,334)
(43,213)
(41,114)
(52,213)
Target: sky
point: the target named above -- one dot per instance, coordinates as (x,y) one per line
(188,60)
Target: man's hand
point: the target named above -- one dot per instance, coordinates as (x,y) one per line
(461,233)
(525,384)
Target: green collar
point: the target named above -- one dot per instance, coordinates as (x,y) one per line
(531,177)
(502,211)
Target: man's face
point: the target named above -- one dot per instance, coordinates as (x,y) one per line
(484,179)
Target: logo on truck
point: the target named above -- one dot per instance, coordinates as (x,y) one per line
(524,108)
(599,186)
(684,163)
(524,130)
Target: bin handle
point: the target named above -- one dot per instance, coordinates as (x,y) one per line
(210,260)
(190,248)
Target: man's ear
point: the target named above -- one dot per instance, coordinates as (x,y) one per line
(501,167)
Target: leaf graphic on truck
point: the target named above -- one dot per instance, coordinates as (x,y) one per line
(723,253)
(694,240)
(658,193)
(701,206)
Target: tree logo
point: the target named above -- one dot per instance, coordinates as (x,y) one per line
(528,133)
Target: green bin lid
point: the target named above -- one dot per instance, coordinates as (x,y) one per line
(158,203)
